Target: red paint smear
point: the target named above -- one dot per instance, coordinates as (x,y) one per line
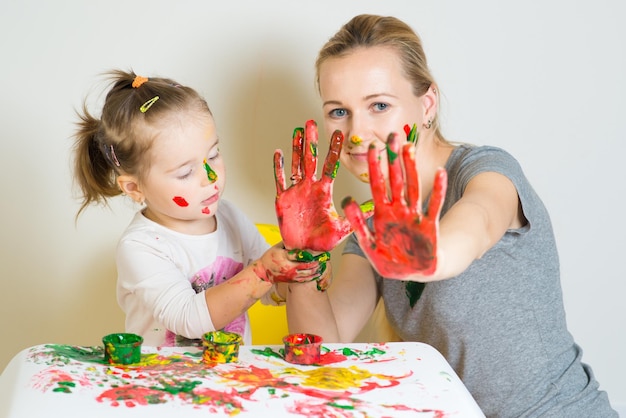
(228,401)
(255,376)
(331,357)
(206,210)
(132,395)
(180,201)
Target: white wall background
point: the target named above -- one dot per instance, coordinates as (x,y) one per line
(544,79)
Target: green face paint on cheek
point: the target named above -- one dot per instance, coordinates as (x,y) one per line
(411,133)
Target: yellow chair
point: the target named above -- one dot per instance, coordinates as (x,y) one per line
(268,323)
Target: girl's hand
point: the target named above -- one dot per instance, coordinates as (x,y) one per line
(278,265)
(306,214)
(404,240)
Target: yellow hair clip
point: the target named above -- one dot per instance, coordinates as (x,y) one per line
(138,81)
(147,105)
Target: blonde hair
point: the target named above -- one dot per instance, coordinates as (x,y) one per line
(120,140)
(367,31)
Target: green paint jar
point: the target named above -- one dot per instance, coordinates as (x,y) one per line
(221,347)
(122,348)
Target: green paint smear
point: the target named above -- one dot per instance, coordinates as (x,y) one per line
(335,170)
(371,353)
(64,387)
(212,175)
(178,387)
(303,255)
(65,353)
(267,352)
(392,155)
(413,291)
(346,407)
(413,136)
(313,150)
(367,207)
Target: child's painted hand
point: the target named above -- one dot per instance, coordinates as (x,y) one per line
(278,265)
(306,214)
(404,240)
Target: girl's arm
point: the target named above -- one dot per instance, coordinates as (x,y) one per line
(231,298)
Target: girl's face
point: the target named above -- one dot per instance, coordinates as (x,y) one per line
(366,95)
(186,176)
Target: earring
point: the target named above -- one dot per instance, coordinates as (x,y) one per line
(429,124)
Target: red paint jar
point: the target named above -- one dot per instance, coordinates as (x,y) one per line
(302,348)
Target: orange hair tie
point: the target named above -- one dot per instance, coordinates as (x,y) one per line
(138,81)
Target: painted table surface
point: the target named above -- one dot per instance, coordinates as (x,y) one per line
(351,380)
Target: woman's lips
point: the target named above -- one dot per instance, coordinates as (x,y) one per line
(362,156)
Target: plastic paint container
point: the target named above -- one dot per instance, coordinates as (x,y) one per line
(302,348)
(221,347)
(122,348)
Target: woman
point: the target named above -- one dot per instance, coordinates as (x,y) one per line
(486,289)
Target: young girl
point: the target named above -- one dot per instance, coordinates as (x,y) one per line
(189,262)
(480,282)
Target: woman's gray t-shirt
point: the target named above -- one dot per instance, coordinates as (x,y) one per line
(501,323)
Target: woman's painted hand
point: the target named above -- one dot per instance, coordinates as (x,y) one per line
(403,241)
(306,214)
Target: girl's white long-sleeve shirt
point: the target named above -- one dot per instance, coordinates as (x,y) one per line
(162,275)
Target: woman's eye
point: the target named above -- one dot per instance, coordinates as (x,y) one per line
(379,107)
(337,113)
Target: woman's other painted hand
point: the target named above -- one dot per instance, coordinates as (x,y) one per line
(403,241)
(306,214)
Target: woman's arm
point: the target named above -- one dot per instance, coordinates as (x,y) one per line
(489,206)
(339,314)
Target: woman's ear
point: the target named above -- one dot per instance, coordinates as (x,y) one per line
(430,103)
(130,187)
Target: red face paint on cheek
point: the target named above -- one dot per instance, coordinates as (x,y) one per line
(180,201)
(206,210)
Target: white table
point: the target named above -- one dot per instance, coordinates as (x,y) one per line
(352,380)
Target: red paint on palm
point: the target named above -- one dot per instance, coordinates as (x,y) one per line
(404,239)
(306,214)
